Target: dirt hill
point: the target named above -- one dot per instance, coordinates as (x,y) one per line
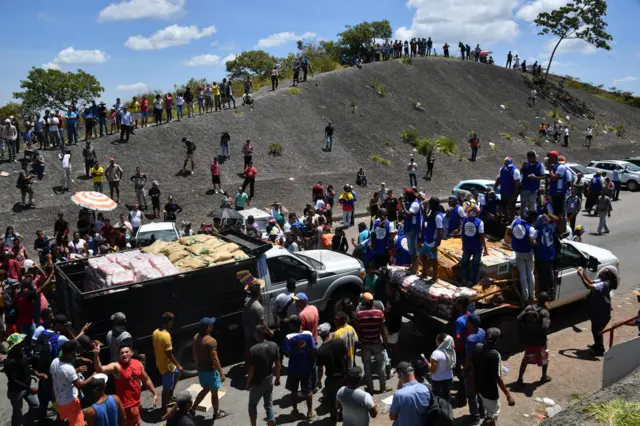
(457,96)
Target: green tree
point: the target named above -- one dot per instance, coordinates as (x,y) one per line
(361,35)
(193,83)
(11,109)
(251,63)
(57,90)
(580,19)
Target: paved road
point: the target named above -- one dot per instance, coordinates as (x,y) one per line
(624,241)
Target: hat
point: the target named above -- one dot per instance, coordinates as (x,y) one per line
(28,264)
(508,160)
(184,397)
(367,297)
(578,229)
(404,367)
(207,321)
(102,103)
(15,339)
(155,182)
(490,190)
(119,318)
(246,279)
(453,198)
(409,191)
(492,335)
(324,328)
(474,319)
(354,372)
(7,121)
(60,319)
(112,159)
(301,296)
(553,154)
(598,172)
(562,159)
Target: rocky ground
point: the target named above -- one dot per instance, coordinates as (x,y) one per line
(457,97)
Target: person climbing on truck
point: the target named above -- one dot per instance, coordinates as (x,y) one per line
(433,230)
(522,235)
(381,236)
(473,245)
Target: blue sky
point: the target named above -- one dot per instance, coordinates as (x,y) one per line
(133,45)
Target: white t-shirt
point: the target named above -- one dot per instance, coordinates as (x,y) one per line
(412,167)
(53,124)
(356,404)
(281,301)
(136,219)
(179,100)
(566,131)
(293,247)
(79,247)
(590,131)
(63,375)
(320,204)
(516,174)
(157,104)
(562,171)
(66,161)
(443,372)
(415,209)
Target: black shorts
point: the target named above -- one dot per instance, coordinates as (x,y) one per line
(304,382)
(155,202)
(215,179)
(589,137)
(114,184)
(507,200)
(558,204)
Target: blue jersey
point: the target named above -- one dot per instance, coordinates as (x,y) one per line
(535,169)
(299,347)
(520,233)
(545,250)
(471,235)
(403,255)
(380,236)
(454,219)
(507,185)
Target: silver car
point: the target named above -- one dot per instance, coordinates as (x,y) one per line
(629,172)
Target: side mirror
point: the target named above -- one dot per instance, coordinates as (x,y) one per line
(593,263)
(312,276)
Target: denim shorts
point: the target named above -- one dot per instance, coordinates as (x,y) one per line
(430,252)
(144,114)
(209,379)
(170,378)
(412,242)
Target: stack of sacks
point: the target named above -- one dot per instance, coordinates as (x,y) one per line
(396,274)
(163,265)
(437,297)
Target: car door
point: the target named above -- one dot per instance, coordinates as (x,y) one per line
(282,268)
(569,285)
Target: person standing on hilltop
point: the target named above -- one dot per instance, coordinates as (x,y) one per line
(190,148)
(248,86)
(328,134)
(445,49)
(477,51)
(275,75)
(474,142)
(229,93)
(509,58)
(462,50)
(250,173)
(217,96)
(468,48)
(516,62)
(429,46)
(188,98)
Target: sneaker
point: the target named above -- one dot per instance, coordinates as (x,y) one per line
(475,419)
(545,379)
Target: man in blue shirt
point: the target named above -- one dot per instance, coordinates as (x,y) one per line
(509,182)
(300,348)
(411,402)
(475,335)
(71,118)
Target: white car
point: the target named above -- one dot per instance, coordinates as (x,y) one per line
(629,172)
(579,168)
(261,216)
(151,232)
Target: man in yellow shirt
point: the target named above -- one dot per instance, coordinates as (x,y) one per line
(217,97)
(347,333)
(97,174)
(166,361)
(134,109)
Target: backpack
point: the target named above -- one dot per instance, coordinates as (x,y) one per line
(439,413)
(45,350)
(531,321)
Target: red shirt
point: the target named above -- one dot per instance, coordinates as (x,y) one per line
(14,270)
(309,318)
(370,322)
(60,120)
(250,172)
(215,169)
(144,105)
(26,307)
(318,192)
(128,386)
(168,102)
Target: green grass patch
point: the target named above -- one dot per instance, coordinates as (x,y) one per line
(382,90)
(524,126)
(578,396)
(554,114)
(276,149)
(407,60)
(506,135)
(353,107)
(380,160)
(294,91)
(410,135)
(615,413)
(388,144)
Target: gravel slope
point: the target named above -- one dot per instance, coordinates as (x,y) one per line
(458,97)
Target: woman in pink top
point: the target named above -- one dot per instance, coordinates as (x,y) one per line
(168,105)
(215,175)
(247,150)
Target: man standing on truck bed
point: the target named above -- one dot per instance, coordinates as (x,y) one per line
(210,374)
(167,364)
(534,321)
(128,375)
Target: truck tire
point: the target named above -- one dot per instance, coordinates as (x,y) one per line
(632,185)
(333,306)
(184,355)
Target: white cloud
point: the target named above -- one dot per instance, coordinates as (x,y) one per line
(570,46)
(70,56)
(203,60)
(136,87)
(279,39)
(128,10)
(229,58)
(627,79)
(530,11)
(173,35)
(469,21)
(51,66)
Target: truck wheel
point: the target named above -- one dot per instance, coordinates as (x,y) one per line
(184,355)
(334,302)
(509,329)
(632,185)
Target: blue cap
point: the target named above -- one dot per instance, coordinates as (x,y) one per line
(207,321)
(474,319)
(301,296)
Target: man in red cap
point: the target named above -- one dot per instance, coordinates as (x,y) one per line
(558,188)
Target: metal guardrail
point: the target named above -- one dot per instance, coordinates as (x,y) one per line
(612,329)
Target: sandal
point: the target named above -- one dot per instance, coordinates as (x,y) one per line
(310,416)
(221,415)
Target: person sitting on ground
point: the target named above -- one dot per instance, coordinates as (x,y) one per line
(361,178)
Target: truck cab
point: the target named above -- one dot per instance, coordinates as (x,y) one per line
(569,286)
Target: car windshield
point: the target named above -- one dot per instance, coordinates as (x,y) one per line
(580,169)
(316,265)
(631,167)
(149,237)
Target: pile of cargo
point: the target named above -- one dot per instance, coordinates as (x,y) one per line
(196,252)
(436,298)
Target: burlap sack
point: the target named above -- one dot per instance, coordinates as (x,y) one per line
(178,255)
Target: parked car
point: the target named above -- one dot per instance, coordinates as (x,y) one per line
(261,216)
(629,172)
(634,160)
(480,185)
(579,168)
(151,232)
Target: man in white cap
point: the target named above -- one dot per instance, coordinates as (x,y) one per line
(108,409)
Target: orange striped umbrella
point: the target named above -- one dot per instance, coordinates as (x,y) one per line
(94,201)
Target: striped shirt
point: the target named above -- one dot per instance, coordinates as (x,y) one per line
(370,322)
